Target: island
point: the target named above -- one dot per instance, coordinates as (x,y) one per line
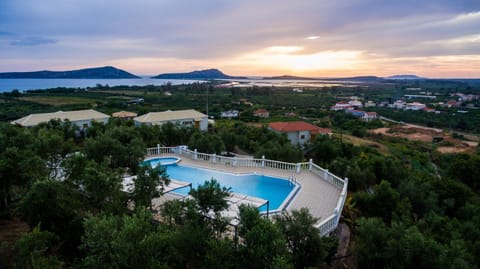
(206,74)
(106,72)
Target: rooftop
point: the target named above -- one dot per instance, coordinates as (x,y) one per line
(124,114)
(78,115)
(296,126)
(170,115)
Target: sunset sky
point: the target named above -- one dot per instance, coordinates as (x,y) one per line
(320,38)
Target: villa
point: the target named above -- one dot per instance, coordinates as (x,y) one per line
(298,132)
(81,118)
(262,113)
(229,114)
(311,186)
(188,118)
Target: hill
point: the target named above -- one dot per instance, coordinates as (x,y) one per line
(404,77)
(288,77)
(106,72)
(200,74)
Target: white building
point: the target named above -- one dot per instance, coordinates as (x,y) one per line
(81,118)
(415,106)
(298,132)
(188,118)
(368,116)
(229,114)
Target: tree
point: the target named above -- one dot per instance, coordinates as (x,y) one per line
(124,242)
(99,185)
(149,184)
(207,143)
(16,154)
(303,239)
(56,207)
(263,244)
(34,250)
(383,201)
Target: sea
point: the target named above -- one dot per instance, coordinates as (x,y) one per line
(21,84)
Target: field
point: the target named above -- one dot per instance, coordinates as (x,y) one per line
(357,141)
(58,100)
(443,141)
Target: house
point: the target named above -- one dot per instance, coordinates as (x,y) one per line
(126,115)
(368,116)
(399,104)
(190,117)
(429,110)
(370,104)
(298,132)
(262,113)
(81,118)
(415,106)
(135,101)
(229,114)
(453,103)
(342,105)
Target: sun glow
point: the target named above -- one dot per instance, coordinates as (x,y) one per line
(295,59)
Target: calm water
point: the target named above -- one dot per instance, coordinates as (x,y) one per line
(7,85)
(275,190)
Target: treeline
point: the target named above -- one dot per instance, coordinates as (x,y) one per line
(408,208)
(67,185)
(454,120)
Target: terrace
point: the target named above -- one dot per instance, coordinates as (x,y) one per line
(322,192)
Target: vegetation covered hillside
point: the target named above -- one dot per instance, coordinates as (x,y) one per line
(409,206)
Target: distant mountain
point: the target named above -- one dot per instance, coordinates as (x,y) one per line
(287,77)
(106,72)
(206,74)
(404,77)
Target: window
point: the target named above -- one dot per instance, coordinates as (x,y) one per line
(302,136)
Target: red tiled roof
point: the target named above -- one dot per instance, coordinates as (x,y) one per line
(296,126)
(261,110)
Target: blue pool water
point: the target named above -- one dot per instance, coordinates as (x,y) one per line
(275,190)
(163,161)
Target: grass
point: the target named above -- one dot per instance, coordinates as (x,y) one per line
(57,100)
(357,141)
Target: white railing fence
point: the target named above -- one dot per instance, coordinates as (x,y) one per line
(325,227)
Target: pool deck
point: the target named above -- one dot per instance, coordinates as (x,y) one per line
(316,194)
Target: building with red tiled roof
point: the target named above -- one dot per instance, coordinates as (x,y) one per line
(262,113)
(298,132)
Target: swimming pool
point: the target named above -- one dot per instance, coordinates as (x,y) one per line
(163,161)
(276,190)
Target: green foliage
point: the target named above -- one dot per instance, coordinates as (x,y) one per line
(383,201)
(306,246)
(206,143)
(263,243)
(149,184)
(119,146)
(17,153)
(210,197)
(99,185)
(34,250)
(52,204)
(123,242)
(466,169)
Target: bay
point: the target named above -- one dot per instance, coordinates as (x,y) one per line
(7,85)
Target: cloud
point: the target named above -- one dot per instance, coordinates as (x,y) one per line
(32,41)
(218,33)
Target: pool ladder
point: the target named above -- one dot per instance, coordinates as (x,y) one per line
(292,180)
